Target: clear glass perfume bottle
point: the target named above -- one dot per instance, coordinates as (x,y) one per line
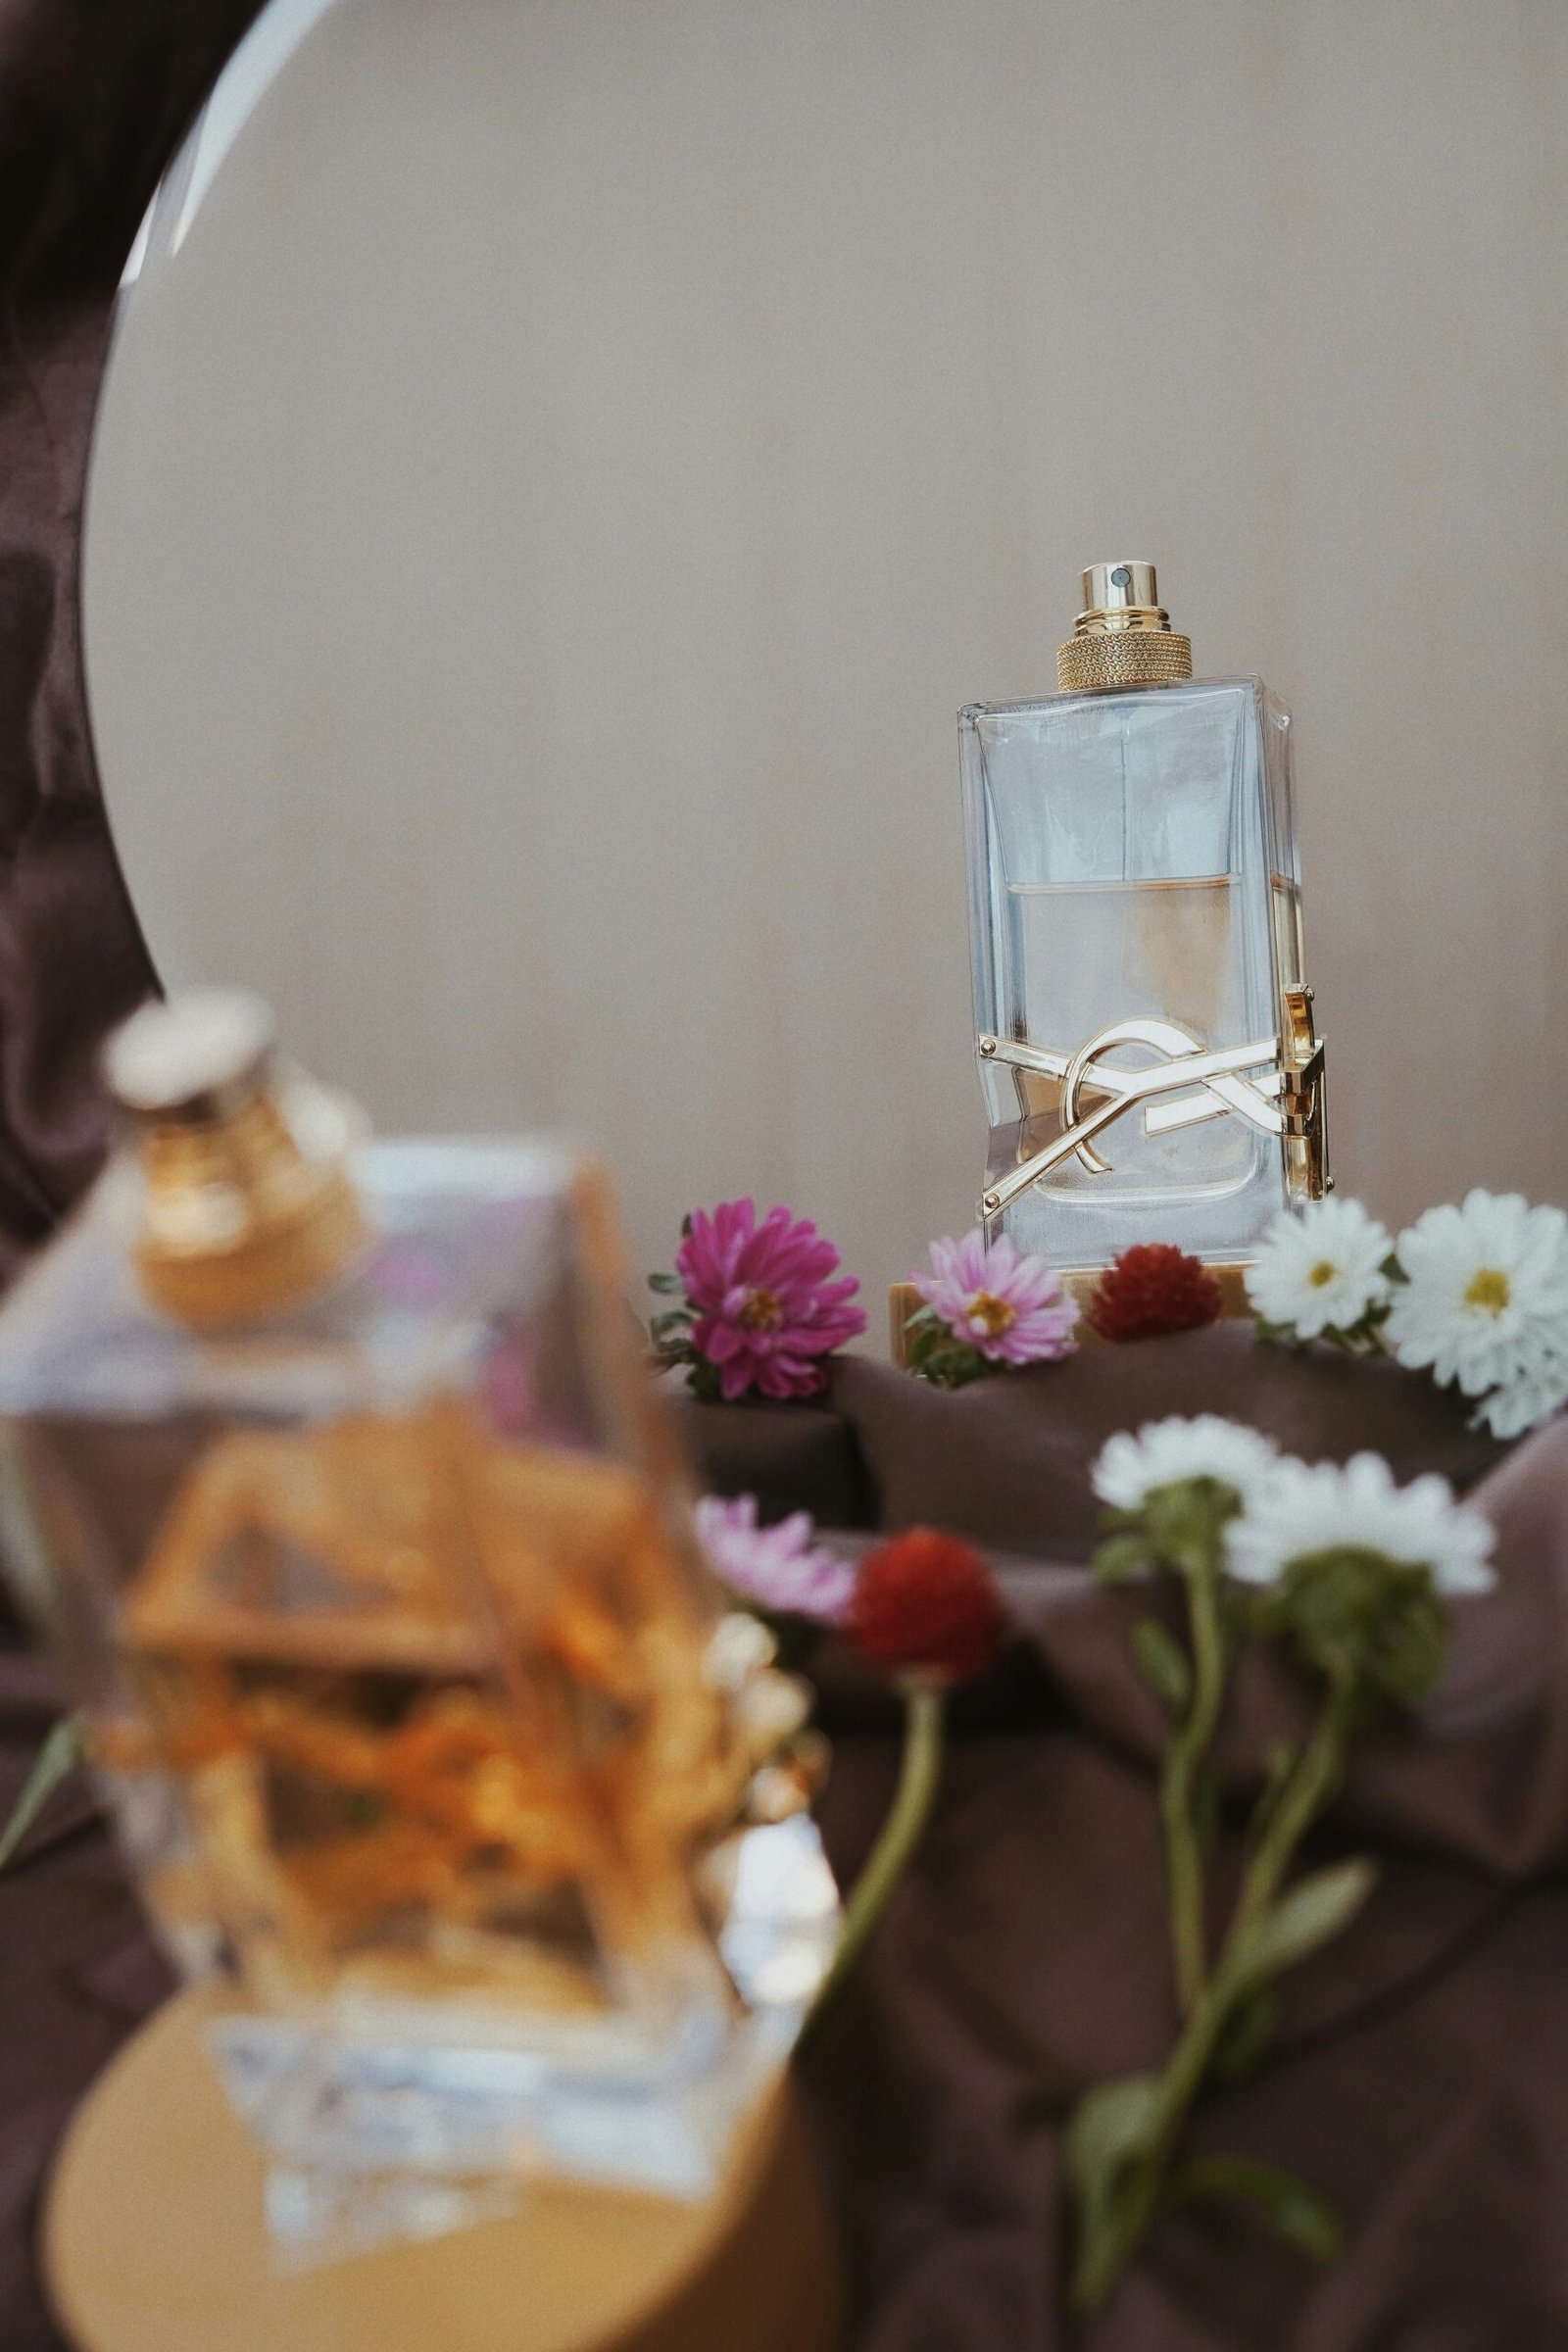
(333,1472)
(1145,1032)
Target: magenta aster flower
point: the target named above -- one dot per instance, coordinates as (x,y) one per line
(776,1567)
(766,1311)
(1009,1306)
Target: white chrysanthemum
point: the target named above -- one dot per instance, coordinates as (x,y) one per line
(1320,1270)
(1487,1301)
(1164,1453)
(1322,1507)
(1538,1391)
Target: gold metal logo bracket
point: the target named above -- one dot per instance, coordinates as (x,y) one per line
(1277,1086)
(1305,1100)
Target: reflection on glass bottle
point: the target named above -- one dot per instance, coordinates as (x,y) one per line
(333,1471)
(1132,862)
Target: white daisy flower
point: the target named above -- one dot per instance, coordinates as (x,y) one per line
(1538,1391)
(1321,1507)
(1487,1299)
(1321,1268)
(1131,1467)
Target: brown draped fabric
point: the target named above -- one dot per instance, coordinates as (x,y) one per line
(94,97)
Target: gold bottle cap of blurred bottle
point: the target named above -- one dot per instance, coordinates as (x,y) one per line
(1123,635)
(249,1206)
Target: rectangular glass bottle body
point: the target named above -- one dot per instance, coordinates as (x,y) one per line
(395,1652)
(1131,855)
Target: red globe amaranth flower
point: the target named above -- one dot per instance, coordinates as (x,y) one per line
(925,1603)
(1153,1289)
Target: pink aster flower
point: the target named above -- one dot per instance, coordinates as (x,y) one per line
(766,1311)
(776,1567)
(1008,1305)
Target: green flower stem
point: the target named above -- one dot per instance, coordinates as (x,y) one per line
(1310,1786)
(1178,1793)
(924,1706)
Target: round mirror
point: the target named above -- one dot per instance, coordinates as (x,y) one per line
(562,468)
(518,458)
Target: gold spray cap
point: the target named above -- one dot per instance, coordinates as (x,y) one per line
(1123,636)
(248,1207)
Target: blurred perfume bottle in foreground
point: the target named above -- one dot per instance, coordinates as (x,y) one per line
(1146,1035)
(331,1469)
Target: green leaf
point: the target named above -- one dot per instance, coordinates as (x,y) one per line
(1301,2215)
(1312,1913)
(669,1286)
(947,1363)
(1110,2129)
(1162,1663)
(59,1754)
(1360,1338)
(1122,1556)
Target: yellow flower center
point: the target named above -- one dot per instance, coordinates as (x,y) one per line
(1490,1289)
(1323,1273)
(764,1311)
(993,1312)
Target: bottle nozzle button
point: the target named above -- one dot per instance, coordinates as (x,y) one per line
(1112,587)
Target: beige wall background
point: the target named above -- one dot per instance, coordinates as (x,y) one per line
(564,462)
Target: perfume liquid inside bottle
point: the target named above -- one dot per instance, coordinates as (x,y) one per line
(1132,871)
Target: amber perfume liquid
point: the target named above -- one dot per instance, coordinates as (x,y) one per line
(1124,949)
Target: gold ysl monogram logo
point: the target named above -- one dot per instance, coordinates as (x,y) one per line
(1280,1093)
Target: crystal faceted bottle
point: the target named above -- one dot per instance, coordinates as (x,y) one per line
(1146,1035)
(332,1470)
